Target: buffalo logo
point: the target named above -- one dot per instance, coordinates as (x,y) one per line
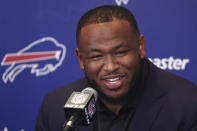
(49,57)
(119,2)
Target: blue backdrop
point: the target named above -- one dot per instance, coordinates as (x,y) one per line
(37,42)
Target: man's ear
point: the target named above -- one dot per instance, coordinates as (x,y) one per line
(142,49)
(79,57)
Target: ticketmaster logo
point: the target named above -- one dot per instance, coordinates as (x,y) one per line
(170,63)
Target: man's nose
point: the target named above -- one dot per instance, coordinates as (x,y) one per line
(111,64)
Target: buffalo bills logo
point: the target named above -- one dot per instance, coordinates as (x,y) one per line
(41,57)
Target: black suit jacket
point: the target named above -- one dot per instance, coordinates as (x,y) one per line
(168,103)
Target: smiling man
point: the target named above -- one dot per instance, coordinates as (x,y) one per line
(133,93)
(110,54)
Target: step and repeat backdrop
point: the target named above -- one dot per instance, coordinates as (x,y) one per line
(37,42)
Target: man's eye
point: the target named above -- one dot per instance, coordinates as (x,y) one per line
(95,56)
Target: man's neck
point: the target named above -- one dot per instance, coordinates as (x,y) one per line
(115,108)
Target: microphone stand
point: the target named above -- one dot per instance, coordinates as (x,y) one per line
(72,123)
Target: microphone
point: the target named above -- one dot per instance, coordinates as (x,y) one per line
(80,108)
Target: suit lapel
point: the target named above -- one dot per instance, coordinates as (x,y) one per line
(148,108)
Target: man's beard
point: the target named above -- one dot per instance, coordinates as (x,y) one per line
(114,100)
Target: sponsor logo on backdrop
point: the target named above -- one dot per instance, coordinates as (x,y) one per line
(170,63)
(41,57)
(120,2)
(6,129)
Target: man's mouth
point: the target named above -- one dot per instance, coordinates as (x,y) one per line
(114,82)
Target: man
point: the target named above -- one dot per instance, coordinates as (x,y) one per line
(134,95)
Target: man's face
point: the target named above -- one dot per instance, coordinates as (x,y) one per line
(110,54)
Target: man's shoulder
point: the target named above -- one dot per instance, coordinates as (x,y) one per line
(76,85)
(176,93)
(166,79)
(173,85)
(170,80)
(168,98)
(62,93)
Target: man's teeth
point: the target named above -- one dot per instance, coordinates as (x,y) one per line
(112,80)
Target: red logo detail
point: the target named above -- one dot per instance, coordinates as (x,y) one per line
(27,57)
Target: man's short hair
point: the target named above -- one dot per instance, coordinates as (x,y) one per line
(106,13)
